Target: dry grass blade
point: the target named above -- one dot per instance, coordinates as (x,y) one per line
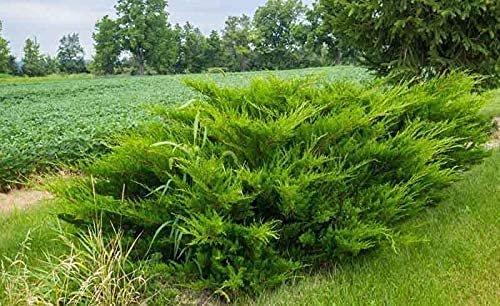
(95,271)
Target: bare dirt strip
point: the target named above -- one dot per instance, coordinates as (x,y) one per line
(21,199)
(495,141)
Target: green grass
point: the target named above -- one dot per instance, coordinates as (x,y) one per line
(493,108)
(39,221)
(9,79)
(52,120)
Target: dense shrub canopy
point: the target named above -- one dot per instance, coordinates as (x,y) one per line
(420,37)
(240,189)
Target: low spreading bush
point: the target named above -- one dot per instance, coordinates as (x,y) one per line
(241,189)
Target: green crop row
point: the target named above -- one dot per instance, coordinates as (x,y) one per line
(53,122)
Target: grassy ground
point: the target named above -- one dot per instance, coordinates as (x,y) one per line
(9,79)
(493,109)
(39,221)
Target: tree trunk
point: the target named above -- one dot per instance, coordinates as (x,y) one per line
(140,62)
(338,60)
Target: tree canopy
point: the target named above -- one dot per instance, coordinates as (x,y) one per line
(33,63)
(276,27)
(277,37)
(144,32)
(106,45)
(5,56)
(419,37)
(237,42)
(71,55)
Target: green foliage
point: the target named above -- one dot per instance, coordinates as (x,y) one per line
(242,188)
(192,48)
(107,46)
(283,34)
(45,125)
(449,258)
(51,65)
(214,51)
(48,121)
(33,63)
(236,40)
(70,54)
(321,48)
(162,53)
(4,53)
(276,25)
(144,32)
(14,68)
(420,38)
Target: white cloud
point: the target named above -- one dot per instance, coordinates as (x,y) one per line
(48,14)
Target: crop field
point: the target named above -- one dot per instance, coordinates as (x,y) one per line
(46,122)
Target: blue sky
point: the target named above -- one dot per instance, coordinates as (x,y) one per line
(48,20)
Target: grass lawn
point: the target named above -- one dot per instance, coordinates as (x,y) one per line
(493,109)
(39,222)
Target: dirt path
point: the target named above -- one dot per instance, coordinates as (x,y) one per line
(20,199)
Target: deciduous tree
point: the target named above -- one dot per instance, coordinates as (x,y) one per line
(33,63)
(237,43)
(13,66)
(321,46)
(192,49)
(70,54)
(107,46)
(4,53)
(50,64)
(276,24)
(144,32)
(214,50)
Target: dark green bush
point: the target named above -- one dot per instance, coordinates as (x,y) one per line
(420,38)
(241,189)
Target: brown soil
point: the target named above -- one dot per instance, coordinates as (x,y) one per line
(21,199)
(495,142)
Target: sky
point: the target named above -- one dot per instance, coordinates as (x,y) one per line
(49,20)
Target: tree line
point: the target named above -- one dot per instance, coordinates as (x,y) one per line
(417,39)
(69,58)
(282,34)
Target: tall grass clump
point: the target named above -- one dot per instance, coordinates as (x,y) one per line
(240,189)
(95,270)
